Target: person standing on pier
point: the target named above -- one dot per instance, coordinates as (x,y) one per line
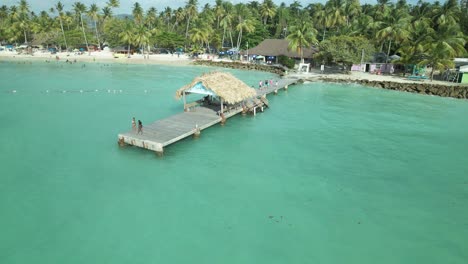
(140,127)
(133,124)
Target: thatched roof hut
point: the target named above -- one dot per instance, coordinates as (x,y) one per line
(221,84)
(277,47)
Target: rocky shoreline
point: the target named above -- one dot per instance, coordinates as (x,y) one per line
(421,87)
(242,66)
(454,91)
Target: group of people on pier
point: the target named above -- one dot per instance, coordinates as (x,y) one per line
(140,126)
(267,83)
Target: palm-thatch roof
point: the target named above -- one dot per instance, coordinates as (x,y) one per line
(224,85)
(276,47)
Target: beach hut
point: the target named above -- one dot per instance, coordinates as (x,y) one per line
(220,88)
(271,49)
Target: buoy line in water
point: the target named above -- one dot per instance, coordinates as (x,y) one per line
(107,91)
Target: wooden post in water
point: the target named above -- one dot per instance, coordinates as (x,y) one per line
(197,131)
(121,142)
(160,153)
(221,100)
(286,87)
(185,103)
(223,119)
(276,91)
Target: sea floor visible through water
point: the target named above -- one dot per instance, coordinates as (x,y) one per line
(328,174)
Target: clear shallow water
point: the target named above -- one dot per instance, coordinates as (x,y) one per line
(329,174)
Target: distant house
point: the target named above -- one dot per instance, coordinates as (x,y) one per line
(122,50)
(91,47)
(272,48)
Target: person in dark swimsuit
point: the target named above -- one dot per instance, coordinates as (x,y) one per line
(140,127)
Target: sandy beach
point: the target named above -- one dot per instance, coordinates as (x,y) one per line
(98,57)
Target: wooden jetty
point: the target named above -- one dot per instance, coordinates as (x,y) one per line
(196,117)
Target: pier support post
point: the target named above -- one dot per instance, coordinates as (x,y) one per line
(222,108)
(276,91)
(159,153)
(244,110)
(197,131)
(223,119)
(286,87)
(255,111)
(121,142)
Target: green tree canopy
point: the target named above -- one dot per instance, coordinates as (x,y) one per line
(346,50)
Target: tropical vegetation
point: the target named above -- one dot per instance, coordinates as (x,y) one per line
(431,33)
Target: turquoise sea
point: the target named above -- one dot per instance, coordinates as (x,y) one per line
(329,174)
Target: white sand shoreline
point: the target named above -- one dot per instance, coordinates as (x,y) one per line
(97,57)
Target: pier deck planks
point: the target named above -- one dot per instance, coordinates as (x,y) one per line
(166,131)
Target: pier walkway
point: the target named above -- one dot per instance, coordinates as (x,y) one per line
(164,132)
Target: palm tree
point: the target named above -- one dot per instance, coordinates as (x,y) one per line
(137,13)
(301,35)
(142,38)
(41,23)
(448,13)
(199,35)
(106,13)
(295,7)
(219,11)
(179,15)
(267,10)
(402,5)
(243,22)
(335,12)
(381,10)
(207,16)
(59,8)
(93,13)
(321,18)
(441,48)
(352,10)
(113,3)
(227,21)
(394,28)
(151,17)
(107,10)
(23,18)
(80,8)
(127,35)
(3,22)
(283,16)
(167,16)
(190,12)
